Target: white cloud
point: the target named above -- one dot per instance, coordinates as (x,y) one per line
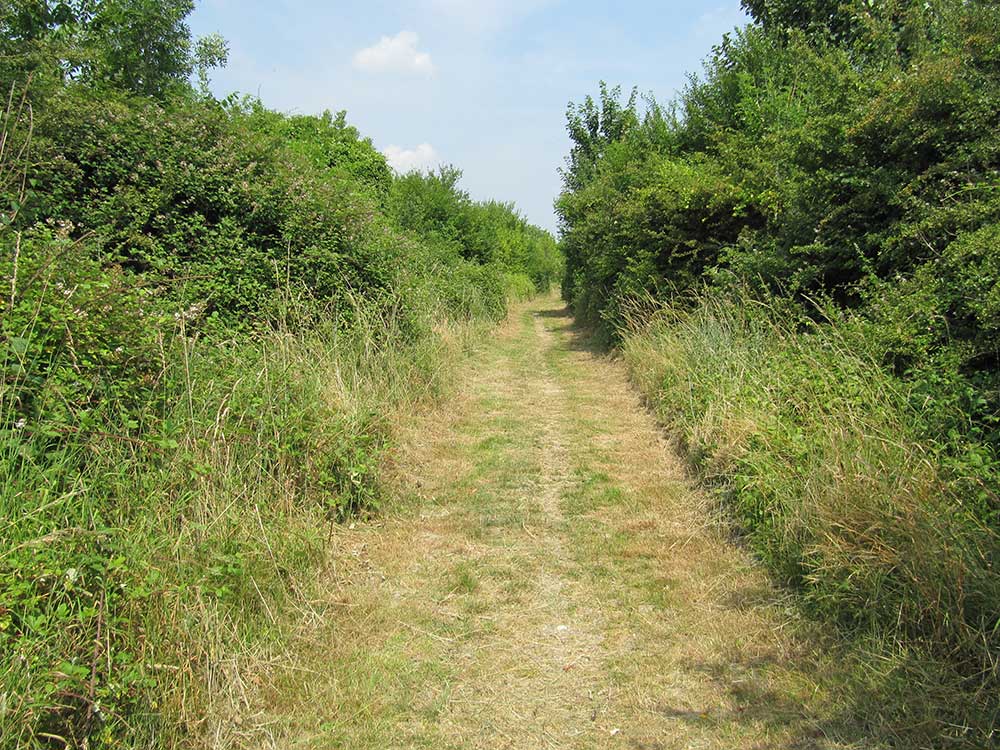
(395,54)
(406,160)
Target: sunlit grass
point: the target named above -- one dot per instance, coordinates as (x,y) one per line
(818,456)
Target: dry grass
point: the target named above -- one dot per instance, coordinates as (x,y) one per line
(826,463)
(548,579)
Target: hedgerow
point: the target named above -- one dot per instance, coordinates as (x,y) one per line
(211,314)
(836,163)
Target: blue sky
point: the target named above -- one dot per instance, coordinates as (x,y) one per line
(481,85)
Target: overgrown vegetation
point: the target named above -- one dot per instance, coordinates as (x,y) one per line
(816,222)
(210,315)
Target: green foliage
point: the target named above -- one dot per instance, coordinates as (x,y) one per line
(439,213)
(207,202)
(210,52)
(141,46)
(593,126)
(210,313)
(329,143)
(432,206)
(77,340)
(841,168)
(839,159)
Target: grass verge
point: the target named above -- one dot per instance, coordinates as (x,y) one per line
(147,575)
(823,460)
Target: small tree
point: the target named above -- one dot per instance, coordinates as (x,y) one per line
(592,126)
(141,46)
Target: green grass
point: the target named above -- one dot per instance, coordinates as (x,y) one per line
(147,574)
(464,579)
(819,456)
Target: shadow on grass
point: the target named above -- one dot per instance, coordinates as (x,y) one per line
(744,679)
(575,336)
(804,696)
(887,708)
(560,312)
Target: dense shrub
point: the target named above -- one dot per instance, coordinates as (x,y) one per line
(436,210)
(78,337)
(211,314)
(208,201)
(839,161)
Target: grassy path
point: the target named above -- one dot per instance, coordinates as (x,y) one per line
(551,581)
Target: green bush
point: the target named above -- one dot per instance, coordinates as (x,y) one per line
(79,342)
(211,315)
(820,151)
(433,208)
(208,202)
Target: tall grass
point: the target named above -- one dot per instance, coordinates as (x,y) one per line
(169,479)
(146,569)
(824,461)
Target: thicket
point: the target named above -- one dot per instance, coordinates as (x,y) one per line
(801,257)
(209,315)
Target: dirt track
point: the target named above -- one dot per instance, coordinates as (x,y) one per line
(550,580)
